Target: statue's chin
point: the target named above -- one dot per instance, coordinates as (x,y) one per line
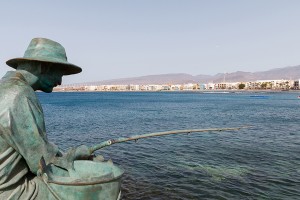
(47,90)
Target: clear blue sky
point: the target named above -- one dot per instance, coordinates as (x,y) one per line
(128,38)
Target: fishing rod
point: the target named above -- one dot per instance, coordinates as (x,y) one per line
(148,135)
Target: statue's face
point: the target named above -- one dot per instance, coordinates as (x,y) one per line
(49,78)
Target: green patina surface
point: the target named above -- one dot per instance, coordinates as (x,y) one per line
(30,166)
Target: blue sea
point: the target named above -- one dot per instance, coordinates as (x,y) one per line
(261,162)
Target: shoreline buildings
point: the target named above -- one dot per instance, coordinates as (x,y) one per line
(251,85)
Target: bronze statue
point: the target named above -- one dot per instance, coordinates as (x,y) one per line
(23,138)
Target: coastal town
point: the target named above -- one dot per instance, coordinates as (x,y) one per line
(276,85)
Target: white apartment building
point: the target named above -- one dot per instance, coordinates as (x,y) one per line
(188,86)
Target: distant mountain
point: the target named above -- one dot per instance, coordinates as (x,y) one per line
(280,73)
(153,79)
(180,78)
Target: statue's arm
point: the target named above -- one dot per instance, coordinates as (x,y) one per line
(26,133)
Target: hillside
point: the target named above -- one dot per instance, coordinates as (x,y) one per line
(180,78)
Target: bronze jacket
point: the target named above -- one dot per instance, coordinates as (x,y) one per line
(23,139)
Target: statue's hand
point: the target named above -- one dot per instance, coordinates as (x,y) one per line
(81,153)
(67,159)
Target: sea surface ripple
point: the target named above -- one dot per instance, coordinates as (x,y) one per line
(261,162)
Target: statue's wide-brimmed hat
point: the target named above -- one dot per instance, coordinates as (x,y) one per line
(45,50)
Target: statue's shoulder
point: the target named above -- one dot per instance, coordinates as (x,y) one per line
(15,90)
